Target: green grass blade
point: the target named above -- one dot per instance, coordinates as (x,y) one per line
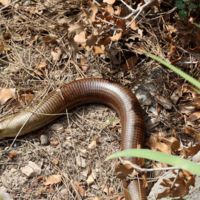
(178,71)
(175,161)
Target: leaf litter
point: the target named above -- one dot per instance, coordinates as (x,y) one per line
(44,45)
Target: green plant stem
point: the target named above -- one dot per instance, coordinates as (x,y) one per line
(178,71)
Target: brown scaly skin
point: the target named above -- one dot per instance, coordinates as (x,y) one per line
(85,91)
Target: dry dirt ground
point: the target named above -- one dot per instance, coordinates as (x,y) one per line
(41,48)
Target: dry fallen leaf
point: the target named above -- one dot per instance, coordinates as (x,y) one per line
(80,38)
(193,133)
(177,186)
(172,50)
(63,21)
(134,25)
(39,73)
(94,12)
(99,49)
(91,177)
(196,103)
(75,27)
(42,64)
(6,94)
(50,40)
(194,116)
(55,161)
(171,184)
(2,46)
(118,10)
(165,102)
(92,144)
(165,145)
(109,9)
(130,63)
(173,142)
(53,179)
(5,2)
(27,97)
(176,95)
(171,28)
(79,188)
(123,169)
(190,151)
(84,64)
(109,1)
(117,36)
(91,40)
(56,54)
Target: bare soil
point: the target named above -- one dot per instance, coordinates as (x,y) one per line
(37,55)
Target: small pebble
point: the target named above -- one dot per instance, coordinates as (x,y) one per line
(58,128)
(81,162)
(44,140)
(144,97)
(31,170)
(5,196)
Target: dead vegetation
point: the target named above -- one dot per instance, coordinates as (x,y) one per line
(44,44)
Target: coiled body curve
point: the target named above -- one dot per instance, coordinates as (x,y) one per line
(81,92)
